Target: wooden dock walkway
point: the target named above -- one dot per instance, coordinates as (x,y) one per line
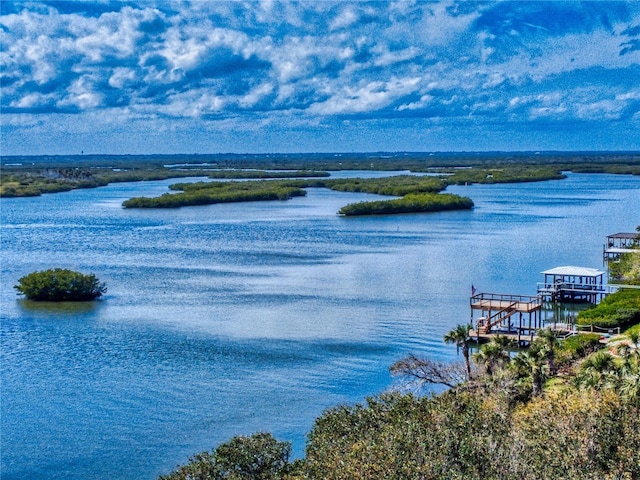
(500,312)
(525,304)
(486,337)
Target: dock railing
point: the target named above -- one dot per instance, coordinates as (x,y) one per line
(531,300)
(597,329)
(551,287)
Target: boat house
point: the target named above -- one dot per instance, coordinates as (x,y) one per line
(572,284)
(620,243)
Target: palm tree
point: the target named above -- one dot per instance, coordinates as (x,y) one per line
(550,341)
(629,347)
(629,371)
(630,383)
(495,353)
(461,338)
(531,365)
(597,371)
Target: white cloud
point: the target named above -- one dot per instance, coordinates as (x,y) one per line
(344,19)
(121,76)
(439,27)
(32,100)
(193,104)
(385,57)
(256,95)
(424,101)
(609,109)
(82,94)
(373,60)
(369,97)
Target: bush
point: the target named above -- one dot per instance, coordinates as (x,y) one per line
(259,457)
(412,203)
(626,270)
(208,193)
(60,285)
(581,345)
(620,309)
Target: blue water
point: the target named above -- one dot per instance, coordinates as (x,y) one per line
(231,319)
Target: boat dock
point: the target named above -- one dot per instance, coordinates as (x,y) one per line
(573,284)
(619,244)
(519,316)
(513,316)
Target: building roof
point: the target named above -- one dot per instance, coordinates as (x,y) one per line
(621,250)
(626,236)
(570,271)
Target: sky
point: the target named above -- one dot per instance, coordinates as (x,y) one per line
(268,76)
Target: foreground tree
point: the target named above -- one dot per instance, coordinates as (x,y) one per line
(258,457)
(423,371)
(577,434)
(530,366)
(551,343)
(460,337)
(60,285)
(603,371)
(495,354)
(598,371)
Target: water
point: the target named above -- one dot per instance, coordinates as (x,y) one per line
(232,319)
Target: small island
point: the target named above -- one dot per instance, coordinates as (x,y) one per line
(412,203)
(60,285)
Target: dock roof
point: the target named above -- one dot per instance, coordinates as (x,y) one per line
(626,236)
(571,271)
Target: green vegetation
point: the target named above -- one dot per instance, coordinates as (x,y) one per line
(35,175)
(517,419)
(60,285)
(397,186)
(620,309)
(461,338)
(258,457)
(578,346)
(202,193)
(30,176)
(412,203)
(416,191)
(629,169)
(627,269)
(635,330)
(505,174)
(25,182)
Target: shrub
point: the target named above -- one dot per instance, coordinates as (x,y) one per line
(626,270)
(620,309)
(580,345)
(412,203)
(259,457)
(60,285)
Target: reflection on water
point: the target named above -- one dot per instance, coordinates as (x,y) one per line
(237,318)
(56,309)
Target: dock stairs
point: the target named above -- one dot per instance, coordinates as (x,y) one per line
(485,324)
(498,316)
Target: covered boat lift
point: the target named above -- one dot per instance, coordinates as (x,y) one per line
(573,284)
(619,244)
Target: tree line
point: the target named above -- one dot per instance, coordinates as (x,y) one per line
(32,176)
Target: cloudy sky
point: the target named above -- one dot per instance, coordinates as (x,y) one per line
(318,76)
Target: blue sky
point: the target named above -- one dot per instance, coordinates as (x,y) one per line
(318,76)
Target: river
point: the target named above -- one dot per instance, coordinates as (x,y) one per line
(237,318)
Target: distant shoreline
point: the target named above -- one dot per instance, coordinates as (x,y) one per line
(100,158)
